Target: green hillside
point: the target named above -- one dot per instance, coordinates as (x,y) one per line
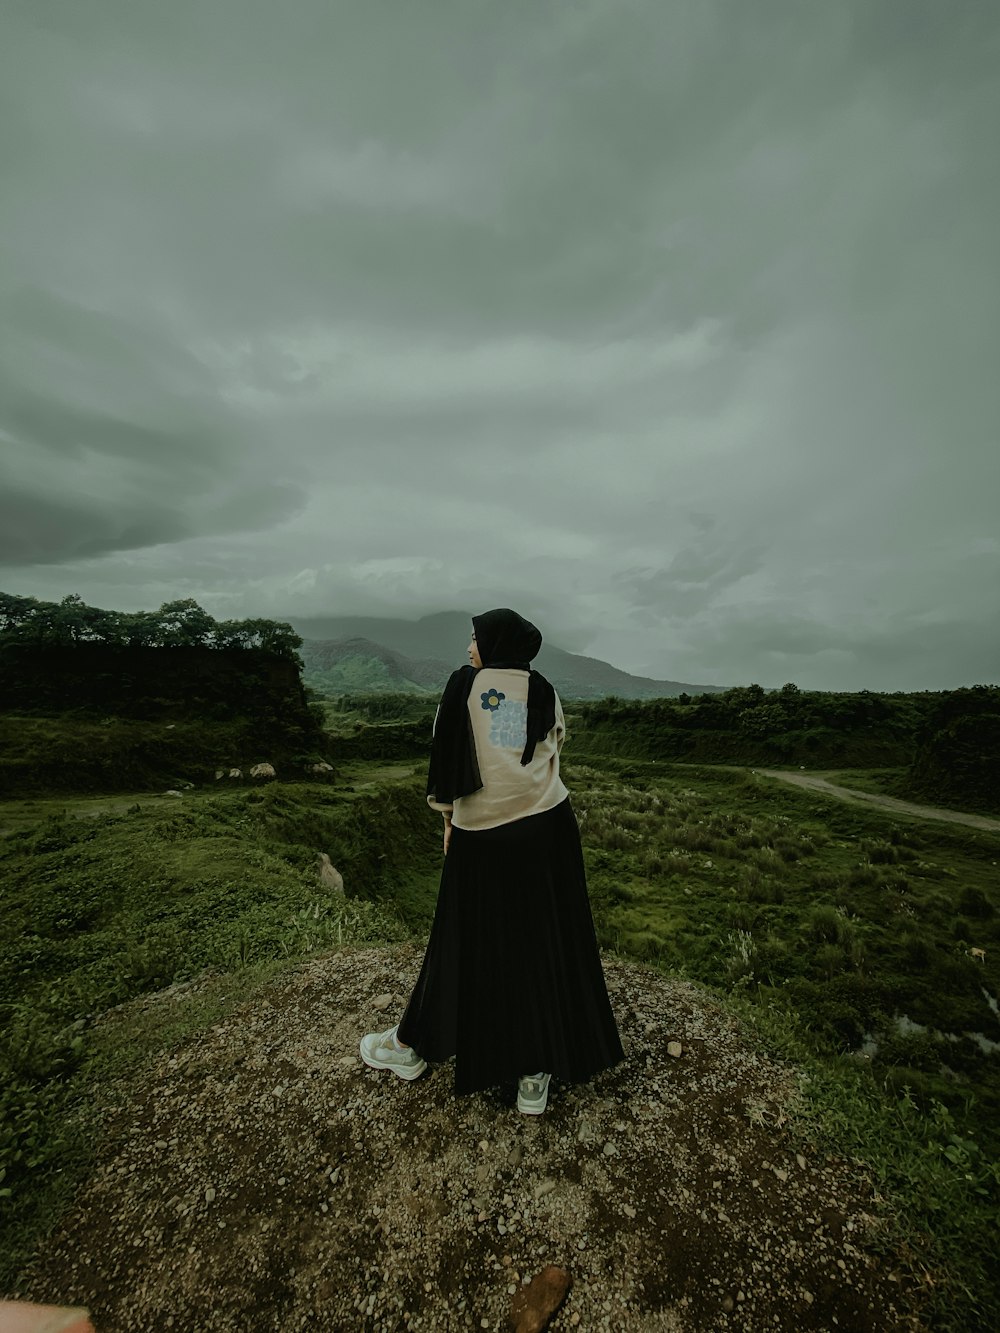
(432,647)
(846,932)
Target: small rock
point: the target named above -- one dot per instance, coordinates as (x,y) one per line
(801,1160)
(610,1150)
(382,1002)
(780,1172)
(544,1187)
(484,1145)
(209,1195)
(348,1060)
(329,876)
(628,1210)
(516,1156)
(282,1180)
(674,1048)
(727,1304)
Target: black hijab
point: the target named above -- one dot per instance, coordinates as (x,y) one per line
(504,639)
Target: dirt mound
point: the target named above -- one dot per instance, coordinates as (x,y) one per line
(265,1178)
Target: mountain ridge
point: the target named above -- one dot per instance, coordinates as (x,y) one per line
(421,654)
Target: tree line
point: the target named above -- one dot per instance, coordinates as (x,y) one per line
(179,624)
(746,708)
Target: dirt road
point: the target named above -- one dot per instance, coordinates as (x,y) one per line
(886,802)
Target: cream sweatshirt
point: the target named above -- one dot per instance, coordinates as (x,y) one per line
(498,707)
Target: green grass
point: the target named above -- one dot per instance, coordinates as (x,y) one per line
(820,919)
(939,1187)
(101,908)
(78,753)
(829,920)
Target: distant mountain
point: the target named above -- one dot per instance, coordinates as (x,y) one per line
(360,666)
(355,654)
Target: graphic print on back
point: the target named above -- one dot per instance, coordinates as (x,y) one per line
(508,720)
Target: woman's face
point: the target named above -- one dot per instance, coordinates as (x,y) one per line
(473,651)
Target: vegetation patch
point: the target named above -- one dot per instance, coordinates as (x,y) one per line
(863,945)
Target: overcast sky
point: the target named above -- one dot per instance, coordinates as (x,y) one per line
(672,324)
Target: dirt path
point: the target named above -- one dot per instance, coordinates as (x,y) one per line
(885,802)
(263,1178)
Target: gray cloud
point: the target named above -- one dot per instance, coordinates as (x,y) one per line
(117,439)
(672,324)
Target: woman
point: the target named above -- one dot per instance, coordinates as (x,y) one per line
(512,978)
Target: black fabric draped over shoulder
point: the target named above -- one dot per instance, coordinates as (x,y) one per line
(454,767)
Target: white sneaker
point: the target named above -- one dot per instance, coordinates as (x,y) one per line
(533,1093)
(379,1052)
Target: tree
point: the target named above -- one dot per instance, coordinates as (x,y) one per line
(184,624)
(79,623)
(138,629)
(16,612)
(273,636)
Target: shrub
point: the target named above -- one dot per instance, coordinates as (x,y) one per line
(829,959)
(824,924)
(788,851)
(880,852)
(865,873)
(973,902)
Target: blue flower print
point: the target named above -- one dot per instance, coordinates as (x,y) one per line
(492,699)
(509,726)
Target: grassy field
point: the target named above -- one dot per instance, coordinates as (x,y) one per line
(844,932)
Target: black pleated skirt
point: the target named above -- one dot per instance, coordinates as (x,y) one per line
(512,981)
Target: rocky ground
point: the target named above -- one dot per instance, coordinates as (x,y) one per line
(263,1178)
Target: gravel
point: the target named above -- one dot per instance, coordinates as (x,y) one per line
(263,1177)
